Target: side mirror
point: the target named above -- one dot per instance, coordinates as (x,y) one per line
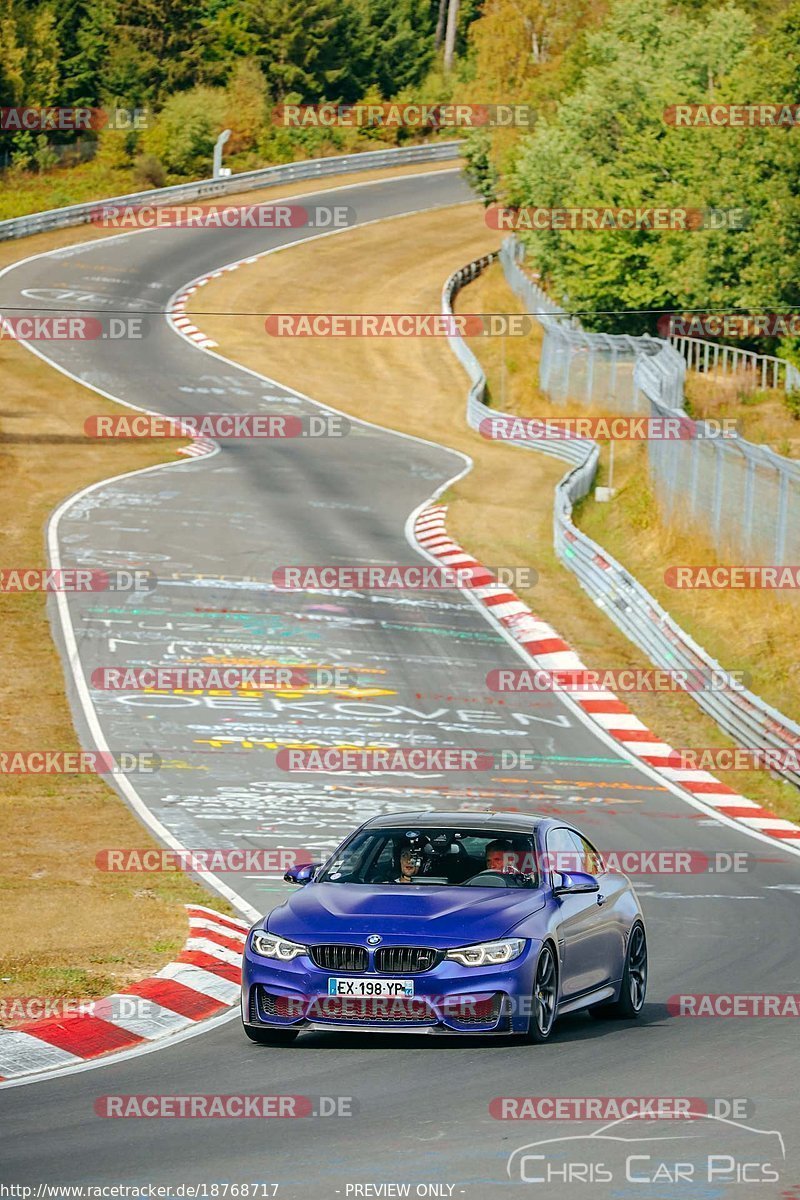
(301,875)
(574,883)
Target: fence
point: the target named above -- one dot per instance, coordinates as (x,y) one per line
(743,715)
(745,497)
(766,370)
(81,214)
(68,154)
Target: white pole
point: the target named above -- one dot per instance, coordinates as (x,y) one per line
(220,142)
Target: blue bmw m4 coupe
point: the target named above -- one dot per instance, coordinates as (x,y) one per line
(447,923)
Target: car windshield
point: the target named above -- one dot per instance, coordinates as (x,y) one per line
(443,857)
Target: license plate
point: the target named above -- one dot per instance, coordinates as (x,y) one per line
(370,987)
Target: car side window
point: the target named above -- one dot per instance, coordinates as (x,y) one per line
(591,857)
(563,852)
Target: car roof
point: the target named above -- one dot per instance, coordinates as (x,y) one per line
(491,819)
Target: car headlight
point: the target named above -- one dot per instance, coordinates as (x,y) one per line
(269,945)
(487,954)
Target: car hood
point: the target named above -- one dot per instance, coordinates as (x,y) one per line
(420,915)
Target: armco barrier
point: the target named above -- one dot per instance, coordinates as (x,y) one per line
(740,713)
(313,168)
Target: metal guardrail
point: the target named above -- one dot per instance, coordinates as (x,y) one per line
(81,214)
(745,717)
(741,493)
(769,371)
(575,450)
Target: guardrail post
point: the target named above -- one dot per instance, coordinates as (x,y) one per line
(719,467)
(783,512)
(220,142)
(749,491)
(695,476)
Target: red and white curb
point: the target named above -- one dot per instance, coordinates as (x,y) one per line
(177,318)
(549,651)
(183,325)
(203,981)
(177,313)
(199,448)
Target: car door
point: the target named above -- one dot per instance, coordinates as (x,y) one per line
(613,917)
(583,934)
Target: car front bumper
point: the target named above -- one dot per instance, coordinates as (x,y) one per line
(448,999)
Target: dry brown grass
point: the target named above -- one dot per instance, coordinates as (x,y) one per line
(66,928)
(502,510)
(762,413)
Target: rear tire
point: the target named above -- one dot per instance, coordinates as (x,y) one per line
(544,997)
(270,1037)
(633,987)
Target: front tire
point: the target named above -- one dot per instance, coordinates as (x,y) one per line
(633,988)
(544,997)
(270,1037)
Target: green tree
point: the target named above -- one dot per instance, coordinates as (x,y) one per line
(399,43)
(86,33)
(307,47)
(245,106)
(12,56)
(42,58)
(166,41)
(182,136)
(608,144)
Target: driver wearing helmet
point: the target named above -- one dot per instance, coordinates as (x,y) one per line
(412,861)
